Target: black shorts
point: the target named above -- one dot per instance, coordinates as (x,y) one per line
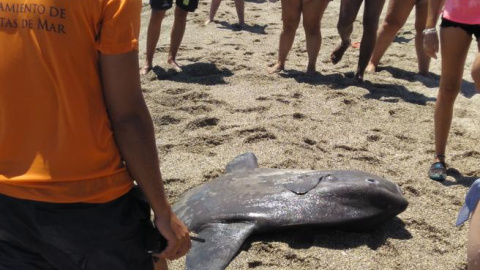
(188,5)
(75,236)
(471,29)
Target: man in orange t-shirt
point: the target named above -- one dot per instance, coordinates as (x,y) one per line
(74,134)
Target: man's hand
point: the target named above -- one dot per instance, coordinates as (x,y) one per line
(430,43)
(176,233)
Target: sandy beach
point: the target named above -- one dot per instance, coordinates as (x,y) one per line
(224,103)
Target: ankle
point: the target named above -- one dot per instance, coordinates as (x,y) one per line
(440,158)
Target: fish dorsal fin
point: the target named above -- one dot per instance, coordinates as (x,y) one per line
(244,162)
(303,183)
(222,242)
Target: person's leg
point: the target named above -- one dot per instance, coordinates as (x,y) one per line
(312,16)
(24,242)
(348,14)
(455,43)
(371,15)
(421,11)
(213,10)
(153,34)
(397,15)
(476,69)
(473,241)
(178,29)
(240,7)
(18,257)
(291,12)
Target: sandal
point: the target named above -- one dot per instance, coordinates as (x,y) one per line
(438,171)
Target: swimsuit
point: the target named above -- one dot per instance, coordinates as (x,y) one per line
(188,5)
(464,14)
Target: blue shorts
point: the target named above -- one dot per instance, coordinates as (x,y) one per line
(188,5)
(74,236)
(471,29)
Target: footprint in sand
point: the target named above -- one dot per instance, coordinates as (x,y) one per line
(202,122)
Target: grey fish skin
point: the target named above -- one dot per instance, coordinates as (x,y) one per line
(249,199)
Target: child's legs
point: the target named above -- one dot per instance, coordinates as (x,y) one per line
(348,13)
(213,9)
(397,14)
(178,29)
(455,43)
(153,34)
(373,9)
(312,15)
(240,7)
(476,69)
(421,12)
(291,12)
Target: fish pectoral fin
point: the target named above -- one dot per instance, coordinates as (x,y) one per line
(242,163)
(303,184)
(222,242)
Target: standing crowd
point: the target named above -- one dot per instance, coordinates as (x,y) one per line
(76,137)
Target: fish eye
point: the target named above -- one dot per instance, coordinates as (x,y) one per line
(373,181)
(330,178)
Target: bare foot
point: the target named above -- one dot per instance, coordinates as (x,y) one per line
(311,70)
(371,68)
(425,74)
(207,22)
(239,26)
(145,69)
(174,65)
(337,54)
(358,78)
(276,68)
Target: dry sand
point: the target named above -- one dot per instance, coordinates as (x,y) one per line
(225,104)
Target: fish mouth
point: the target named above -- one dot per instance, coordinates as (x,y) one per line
(388,197)
(393,201)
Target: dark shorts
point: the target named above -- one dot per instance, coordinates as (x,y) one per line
(52,236)
(188,5)
(471,29)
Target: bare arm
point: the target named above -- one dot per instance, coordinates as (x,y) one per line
(133,131)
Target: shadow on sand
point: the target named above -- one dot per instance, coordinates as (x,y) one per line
(198,73)
(256,28)
(391,93)
(432,81)
(460,179)
(335,239)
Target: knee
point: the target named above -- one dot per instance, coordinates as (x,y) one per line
(448,94)
(312,30)
(290,27)
(341,27)
(392,25)
(370,26)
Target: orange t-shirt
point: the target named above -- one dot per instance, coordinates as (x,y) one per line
(56,141)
